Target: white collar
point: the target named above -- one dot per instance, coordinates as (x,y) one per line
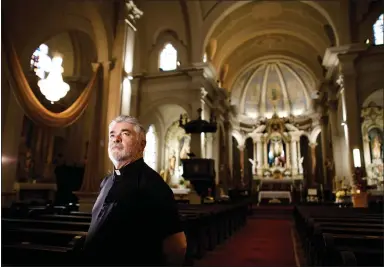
(117,172)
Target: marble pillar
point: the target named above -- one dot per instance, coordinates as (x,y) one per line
(312,147)
(294,157)
(241,148)
(95,155)
(348,82)
(259,157)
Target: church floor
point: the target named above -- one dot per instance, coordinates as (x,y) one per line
(262,242)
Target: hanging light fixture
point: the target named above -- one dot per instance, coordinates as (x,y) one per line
(53,87)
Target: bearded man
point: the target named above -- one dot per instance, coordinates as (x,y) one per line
(135,219)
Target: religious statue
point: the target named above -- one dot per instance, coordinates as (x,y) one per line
(376,148)
(254,165)
(301,160)
(276,154)
(172,163)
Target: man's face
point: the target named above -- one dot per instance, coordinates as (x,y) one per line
(124,143)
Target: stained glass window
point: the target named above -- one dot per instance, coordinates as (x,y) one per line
(150,151)
(40,61)
(168,58)
(378,30)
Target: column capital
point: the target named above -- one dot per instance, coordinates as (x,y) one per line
(133,14)
(347,63)
(95,66)
(312,145)
(241,147)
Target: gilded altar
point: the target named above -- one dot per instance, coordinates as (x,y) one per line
(277,150)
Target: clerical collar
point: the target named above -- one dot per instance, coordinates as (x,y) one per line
(129,167)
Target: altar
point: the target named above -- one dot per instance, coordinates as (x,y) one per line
(277,150)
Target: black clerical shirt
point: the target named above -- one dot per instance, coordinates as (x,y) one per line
(134,212)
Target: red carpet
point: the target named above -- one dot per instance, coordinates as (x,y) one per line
(261,242)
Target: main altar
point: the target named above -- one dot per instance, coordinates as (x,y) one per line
(277,150)
(277,165)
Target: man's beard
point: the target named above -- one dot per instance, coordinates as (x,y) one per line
(117,153)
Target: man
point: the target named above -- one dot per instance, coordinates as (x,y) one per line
(135,220)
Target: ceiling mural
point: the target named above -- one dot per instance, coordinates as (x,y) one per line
(274,86)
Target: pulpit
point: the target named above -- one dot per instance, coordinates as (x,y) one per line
(201,174)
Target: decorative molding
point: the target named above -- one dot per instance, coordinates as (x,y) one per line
(133,14)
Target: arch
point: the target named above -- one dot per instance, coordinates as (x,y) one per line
(374,95)
(241,38)
(239,137)
(225,8)
(313,135)
(167,36)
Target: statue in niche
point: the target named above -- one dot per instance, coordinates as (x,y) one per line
(276,154)
(376,148)
(376,145)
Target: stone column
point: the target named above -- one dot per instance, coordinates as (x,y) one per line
(95,156)
(324,147)
(348,82)
(229,153)
(241,148)
(312,147)
(294,155)
(367,154)
(265,154)
(288,155)
(259,157)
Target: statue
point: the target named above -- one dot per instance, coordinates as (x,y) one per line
(172,163)
(376,148)
(301,160)
(254,165)
(276,153)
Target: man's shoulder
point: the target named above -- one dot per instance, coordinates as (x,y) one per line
(153,180)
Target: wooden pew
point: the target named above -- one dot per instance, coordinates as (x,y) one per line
(364,250)
(48,228)
(340,237)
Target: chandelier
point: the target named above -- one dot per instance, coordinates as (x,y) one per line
(53,87)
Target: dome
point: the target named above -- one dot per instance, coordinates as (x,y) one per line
(272,86)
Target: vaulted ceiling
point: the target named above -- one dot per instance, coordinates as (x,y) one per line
(272,45)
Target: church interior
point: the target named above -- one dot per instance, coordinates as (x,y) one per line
(265,118)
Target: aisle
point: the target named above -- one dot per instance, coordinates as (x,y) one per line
(262,242)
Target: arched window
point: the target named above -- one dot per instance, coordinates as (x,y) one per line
(378,30)
(150,152)
(168,58)
(40,61)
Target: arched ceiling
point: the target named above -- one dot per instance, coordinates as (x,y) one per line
(292,30)
(272,86)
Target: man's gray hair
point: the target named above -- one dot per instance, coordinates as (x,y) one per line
(139,128)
